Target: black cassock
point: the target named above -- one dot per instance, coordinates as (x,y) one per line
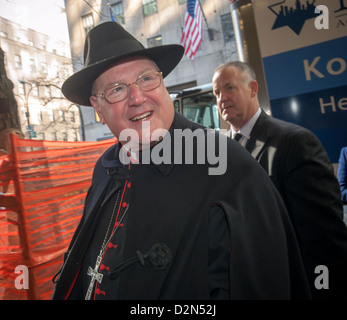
(220,236)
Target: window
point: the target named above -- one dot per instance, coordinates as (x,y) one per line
(118,11)
(32,65)
(35,90)
(227,27)
(23,111)
(51,116)
(5,56)
(88,22)
(18,61)
(3,34)
(55,69)
(21,88)
(154,42)
(47,91)
(149,7)
(72,117)
(64,136)
(202,108)
(61,115)
(182,1)
(41,136)
(56,92)
(44,67)
(54,136)
(74,136)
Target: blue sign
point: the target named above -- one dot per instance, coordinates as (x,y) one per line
(306,67)
(310,89)
(323,112)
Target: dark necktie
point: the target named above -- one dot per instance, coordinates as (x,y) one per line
(237,137)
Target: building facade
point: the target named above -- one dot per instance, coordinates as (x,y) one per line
(37,65)
(153,23)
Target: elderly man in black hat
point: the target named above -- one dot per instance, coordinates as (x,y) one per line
(170,229)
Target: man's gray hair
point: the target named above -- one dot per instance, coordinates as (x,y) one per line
(246,69)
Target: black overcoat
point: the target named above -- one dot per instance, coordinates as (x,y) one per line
(171,203)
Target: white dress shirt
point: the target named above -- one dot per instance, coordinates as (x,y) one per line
(246,129)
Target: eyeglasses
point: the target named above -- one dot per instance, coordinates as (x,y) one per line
(119,91)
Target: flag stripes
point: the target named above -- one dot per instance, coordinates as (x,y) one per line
(192,31)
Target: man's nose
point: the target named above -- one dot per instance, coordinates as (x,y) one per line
(221,96)
(136,95)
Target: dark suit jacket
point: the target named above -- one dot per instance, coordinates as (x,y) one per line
(342,173)
(300,169)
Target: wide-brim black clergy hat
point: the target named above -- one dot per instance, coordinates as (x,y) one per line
(107,44)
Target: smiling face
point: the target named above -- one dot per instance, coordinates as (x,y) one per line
(236,95)
(154,106)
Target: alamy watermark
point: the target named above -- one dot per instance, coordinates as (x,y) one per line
(21,281)
(322,21)
(321,281)
(184,146)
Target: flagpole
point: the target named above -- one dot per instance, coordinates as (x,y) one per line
(209,31)
(109,6)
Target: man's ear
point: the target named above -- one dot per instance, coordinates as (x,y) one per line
(254,88)
(93,100)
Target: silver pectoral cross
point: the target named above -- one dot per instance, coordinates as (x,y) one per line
(95,276)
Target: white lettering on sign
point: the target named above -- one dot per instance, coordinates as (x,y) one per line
(341,104)
(335,66)
(341,66)
(310,68)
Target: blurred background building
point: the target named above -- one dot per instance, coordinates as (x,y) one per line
(37,65)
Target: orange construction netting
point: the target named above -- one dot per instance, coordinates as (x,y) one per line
(43,185)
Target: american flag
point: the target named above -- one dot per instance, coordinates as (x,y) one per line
(192,31)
